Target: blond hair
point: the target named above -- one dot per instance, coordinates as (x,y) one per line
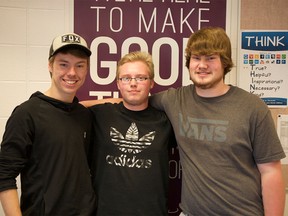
(144,57)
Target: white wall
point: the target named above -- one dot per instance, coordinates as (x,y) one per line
(27,29)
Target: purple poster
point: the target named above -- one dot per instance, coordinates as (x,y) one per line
(113,28)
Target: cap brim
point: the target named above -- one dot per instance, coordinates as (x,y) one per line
(76,46)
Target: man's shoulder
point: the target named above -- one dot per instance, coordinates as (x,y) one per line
(103,107)
(28,106)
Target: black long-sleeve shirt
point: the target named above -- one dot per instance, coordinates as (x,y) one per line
(45,142)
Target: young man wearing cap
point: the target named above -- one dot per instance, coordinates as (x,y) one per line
(45,142)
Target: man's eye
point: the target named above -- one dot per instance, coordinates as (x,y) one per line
(125,79)
(195,57)
(80,66)
(212,57)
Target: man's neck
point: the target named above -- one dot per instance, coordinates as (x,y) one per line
(212,92)
(135,107)
(67,98)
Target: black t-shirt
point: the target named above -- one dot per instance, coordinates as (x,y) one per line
(129,158)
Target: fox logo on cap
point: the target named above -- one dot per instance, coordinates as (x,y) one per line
(70,38)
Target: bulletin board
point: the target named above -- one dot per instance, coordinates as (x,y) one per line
(275,112)
(269,15)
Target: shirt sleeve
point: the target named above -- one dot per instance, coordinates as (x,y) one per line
(159,100)
(15,147)
(266,143)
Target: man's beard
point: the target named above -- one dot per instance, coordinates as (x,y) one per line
(207,85)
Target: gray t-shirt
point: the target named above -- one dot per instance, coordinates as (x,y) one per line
(221,140)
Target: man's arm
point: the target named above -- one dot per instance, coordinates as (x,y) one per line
(89,103)
(10,202)
(273,190)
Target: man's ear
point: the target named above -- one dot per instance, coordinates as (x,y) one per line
(50,69)
(117,82)
(152,84)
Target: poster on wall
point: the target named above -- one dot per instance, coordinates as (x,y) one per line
(161,27)
(116,27)
(263,68)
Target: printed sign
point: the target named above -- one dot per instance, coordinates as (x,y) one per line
(263,65)
(161,27)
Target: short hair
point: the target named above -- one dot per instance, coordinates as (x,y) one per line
(144,57)
(207,41)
